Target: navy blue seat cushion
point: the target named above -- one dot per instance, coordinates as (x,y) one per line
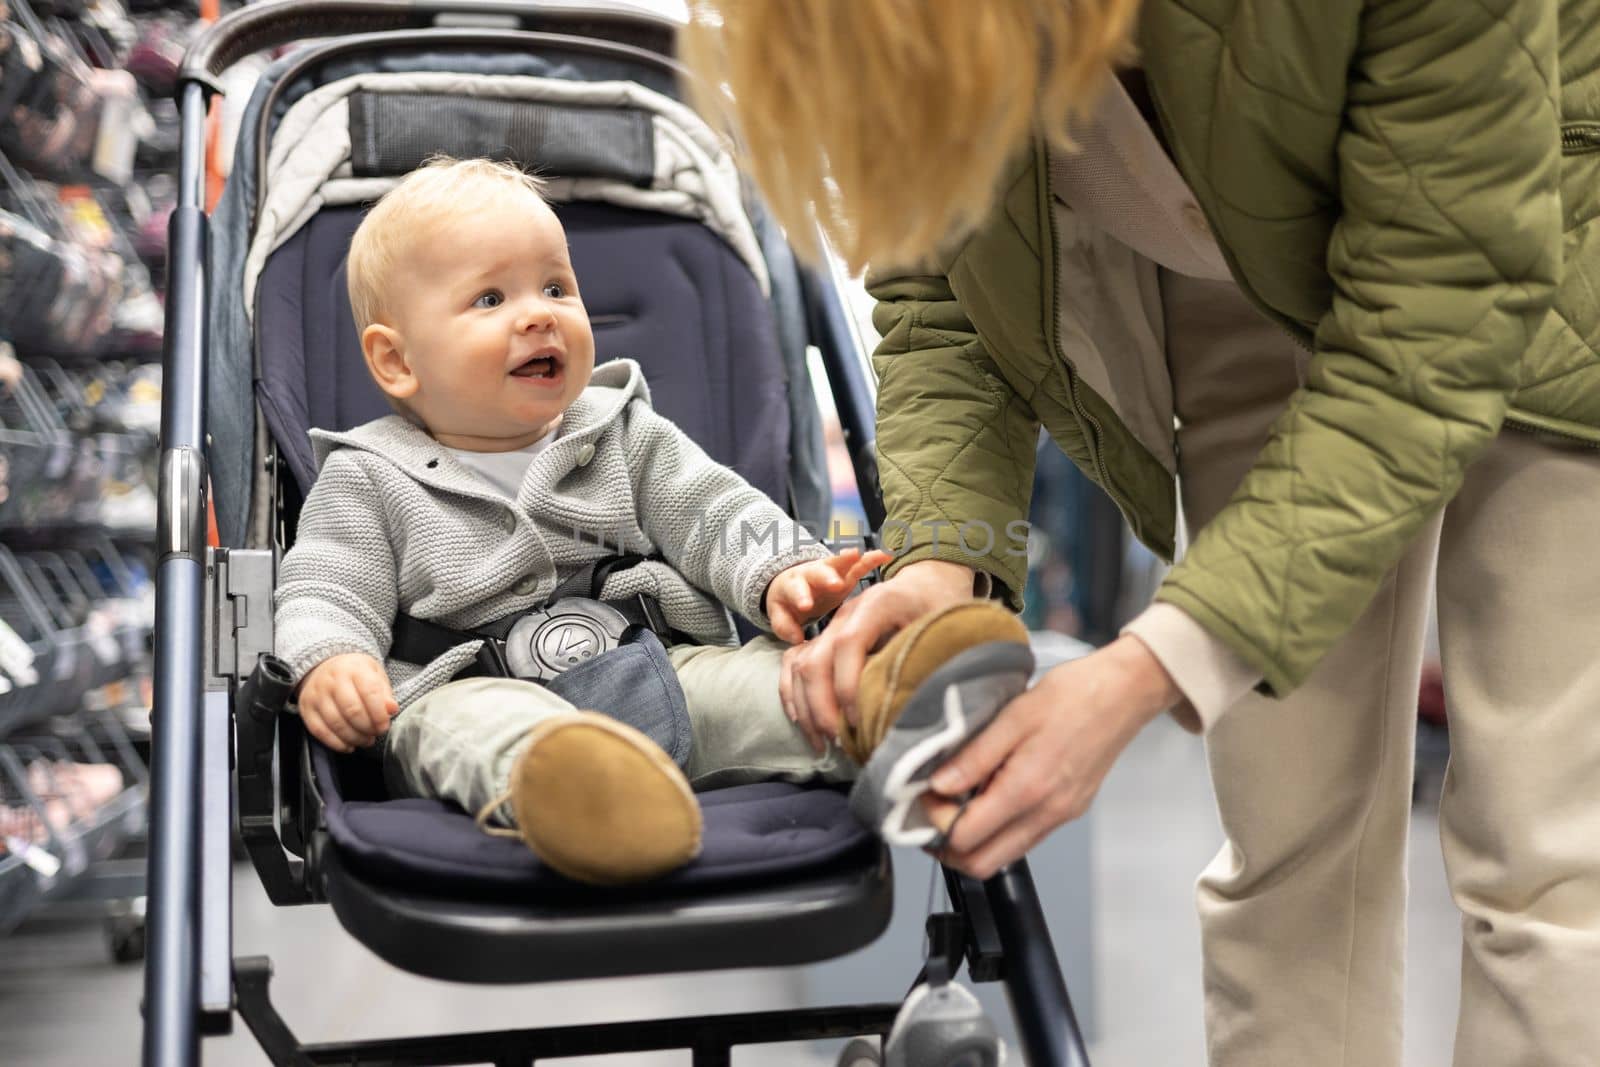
(753,834)
(662,290)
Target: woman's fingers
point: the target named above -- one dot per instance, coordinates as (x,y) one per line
(1019,807)
(979,759)
(1001,849)
(815,682)
(846,610)
(941,812)
(805,716)
(1003,801)
(987,856)
(856,636)
(849,660)
(786,685)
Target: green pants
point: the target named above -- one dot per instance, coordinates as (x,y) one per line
(458,743)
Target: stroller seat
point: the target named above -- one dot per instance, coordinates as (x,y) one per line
(679,298)
(785,876)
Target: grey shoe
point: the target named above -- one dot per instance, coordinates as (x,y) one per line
(949,708)
(860,1053)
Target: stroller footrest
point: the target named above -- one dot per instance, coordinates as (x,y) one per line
(709,1036)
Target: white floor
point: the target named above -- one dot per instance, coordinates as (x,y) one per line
(63,1005)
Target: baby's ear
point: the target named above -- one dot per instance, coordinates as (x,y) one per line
(384,350)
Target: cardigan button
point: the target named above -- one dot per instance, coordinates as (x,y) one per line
(1196,219)
(526,586)
(511,522)
(585,454)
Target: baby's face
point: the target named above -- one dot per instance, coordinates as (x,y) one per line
(490,323)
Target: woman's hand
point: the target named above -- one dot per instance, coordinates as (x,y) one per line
(818,679)
(809,591)
(1041,762)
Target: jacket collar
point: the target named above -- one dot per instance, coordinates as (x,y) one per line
(408,446)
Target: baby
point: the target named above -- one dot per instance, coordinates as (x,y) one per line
(512,464)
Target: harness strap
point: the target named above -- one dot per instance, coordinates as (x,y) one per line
(590,579)
(420,642)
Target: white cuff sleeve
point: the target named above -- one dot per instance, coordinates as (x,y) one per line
(1211,675)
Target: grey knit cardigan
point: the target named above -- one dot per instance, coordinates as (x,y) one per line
(396,523)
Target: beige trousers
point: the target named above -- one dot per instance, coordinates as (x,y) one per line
(1303,911)
(459,742)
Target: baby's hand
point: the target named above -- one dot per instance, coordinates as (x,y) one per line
(346,701)
(809,591)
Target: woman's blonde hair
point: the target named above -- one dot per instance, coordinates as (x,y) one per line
(889,121)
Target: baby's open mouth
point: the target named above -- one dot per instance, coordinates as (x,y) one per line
(538,367)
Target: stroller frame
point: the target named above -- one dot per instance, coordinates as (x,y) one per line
(213,620)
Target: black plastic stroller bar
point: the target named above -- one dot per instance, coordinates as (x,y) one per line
(831,333)
(172,968)
(984,956)
(279,22)
(1046,1023)
(216,869)
(262,698)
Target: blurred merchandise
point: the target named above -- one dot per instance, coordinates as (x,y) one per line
(87,145)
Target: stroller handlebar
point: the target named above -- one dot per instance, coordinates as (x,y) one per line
(257,27)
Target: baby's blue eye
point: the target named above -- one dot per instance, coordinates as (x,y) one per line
(555,290)
(491,299)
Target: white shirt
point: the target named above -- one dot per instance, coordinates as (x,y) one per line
(1121,180)
(504,470)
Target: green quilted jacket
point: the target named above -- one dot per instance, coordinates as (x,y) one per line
(1410,188)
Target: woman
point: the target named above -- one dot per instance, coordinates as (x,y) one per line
(1349,248)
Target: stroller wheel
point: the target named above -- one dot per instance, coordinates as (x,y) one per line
(860,1053)
(125,937)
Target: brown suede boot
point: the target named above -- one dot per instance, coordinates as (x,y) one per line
(601,803)
(895,671)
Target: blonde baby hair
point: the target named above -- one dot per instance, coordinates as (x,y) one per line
(889,122)
(438,190)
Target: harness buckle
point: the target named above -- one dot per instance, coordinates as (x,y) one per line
(556,638)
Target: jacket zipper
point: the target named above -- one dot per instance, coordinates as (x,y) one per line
(1578,138)
(1097,434)
(1545,431)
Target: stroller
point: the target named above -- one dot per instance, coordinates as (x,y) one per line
(682,271)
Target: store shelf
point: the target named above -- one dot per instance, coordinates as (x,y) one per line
(86,156)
